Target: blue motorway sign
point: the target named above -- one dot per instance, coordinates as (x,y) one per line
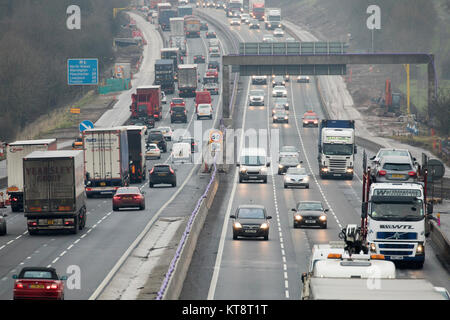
(82,71)
(86,124)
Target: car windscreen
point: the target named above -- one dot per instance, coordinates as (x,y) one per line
(250,213)
(178,109)
(279,88)
(310,206)
(289,161)
(296,171)
(38,275)
(177,101)
(204,107)
(288,149)
(127,190)
(161,169)
(281,100)
(253,160)
(397,166)
(384,153)
(155,136)
(310,117)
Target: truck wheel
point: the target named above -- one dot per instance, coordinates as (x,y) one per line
(14,208)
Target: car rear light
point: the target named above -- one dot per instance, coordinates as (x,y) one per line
(171,171)
(52,286)
(382,173)
(412,173)
(137,197)
(14,199)
(151,171)
(88,189)
(116,197)
(19,285)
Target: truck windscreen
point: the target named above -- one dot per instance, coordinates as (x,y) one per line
(397,210)
(338,149)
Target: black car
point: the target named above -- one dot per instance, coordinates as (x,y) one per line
(157,137)
(3,224)
(211,35)
(214,65)
(203,25)
(162,174)
(199,58)
(251,221)
(310,213)
(288,162)
(178,113)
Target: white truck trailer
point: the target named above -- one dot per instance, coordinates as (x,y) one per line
(16,151)
(106,160)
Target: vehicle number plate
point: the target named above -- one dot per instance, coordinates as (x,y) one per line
(396,257)
(250,231)
(161,174)
(49,222)
(398,176)
(126,198)
(310,221)
(337,174)
(37,286)
(102,184)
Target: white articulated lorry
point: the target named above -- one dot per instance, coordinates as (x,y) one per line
(337,148)
(106,160)
(16,151)
(394,216)
(54,196)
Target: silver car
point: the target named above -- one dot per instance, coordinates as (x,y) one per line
(395,169)
(289,151)
(296,177)
(256,97)
(279,91)
(390,152)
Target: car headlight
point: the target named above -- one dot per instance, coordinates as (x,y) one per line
(243,169)
(275,117)
(298,217)
(349,170)
(264,225)
(285,118)
(263,170)
(323,218)
(237,225)
(280,166)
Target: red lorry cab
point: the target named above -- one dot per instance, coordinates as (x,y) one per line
(202,97)
(146,102)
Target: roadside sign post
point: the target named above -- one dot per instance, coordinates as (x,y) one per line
(82,72)
(86,124)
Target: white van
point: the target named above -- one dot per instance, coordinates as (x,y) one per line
(204,110)
(181,152)
(253,163)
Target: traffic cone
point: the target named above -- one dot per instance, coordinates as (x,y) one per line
(206,168)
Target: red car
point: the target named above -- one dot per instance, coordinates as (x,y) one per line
(212,73)
(310,118)
(38,283)
(128,197)
(177,102)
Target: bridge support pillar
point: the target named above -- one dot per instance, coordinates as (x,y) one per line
(225,91)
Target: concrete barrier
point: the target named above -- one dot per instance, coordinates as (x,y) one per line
(441,244)
(184,254)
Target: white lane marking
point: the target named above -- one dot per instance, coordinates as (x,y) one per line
(213,284)
(309,164)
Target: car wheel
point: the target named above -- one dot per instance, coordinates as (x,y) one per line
(307,186)
(294,225)
(265,180)
(151,185)
(240,180)
(115,209)
(324,226)
(3,230)
(266,237)
(142,207)
(235,237)
(285,186)
(174,184)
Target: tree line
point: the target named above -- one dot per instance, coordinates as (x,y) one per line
(35,44)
